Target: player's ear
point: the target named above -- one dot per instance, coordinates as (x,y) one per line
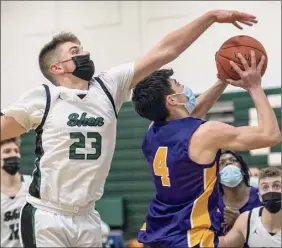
(56,69)
(170,100)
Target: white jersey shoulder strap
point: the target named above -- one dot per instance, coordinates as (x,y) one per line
(107,92)
(254,214)
(47,108)
(34,188)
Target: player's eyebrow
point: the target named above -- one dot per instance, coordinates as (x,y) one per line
(73,47)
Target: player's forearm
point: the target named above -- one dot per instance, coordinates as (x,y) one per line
(267,122)
(175,43)
(206,100)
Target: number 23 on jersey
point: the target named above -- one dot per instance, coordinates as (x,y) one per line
(160,166)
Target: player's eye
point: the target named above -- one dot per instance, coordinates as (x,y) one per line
(233,160)
(277,186)
(74,51)
(265,187)
(8,150)
(221,164)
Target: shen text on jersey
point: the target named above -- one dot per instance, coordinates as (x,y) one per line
(76,120)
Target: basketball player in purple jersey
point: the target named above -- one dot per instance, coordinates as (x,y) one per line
(183,154)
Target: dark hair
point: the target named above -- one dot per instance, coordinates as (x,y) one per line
(149,96)
(47,55)
(270,172)
(17,141)
(244,166)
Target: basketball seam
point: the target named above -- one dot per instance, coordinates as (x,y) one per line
(227,58)
(244,46)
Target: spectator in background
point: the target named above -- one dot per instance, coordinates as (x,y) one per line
(237,195)
(254,176)
(14,189)
(260,227)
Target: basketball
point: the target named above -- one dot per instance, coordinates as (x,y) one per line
(229,51)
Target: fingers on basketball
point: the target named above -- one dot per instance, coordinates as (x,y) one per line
(229,52)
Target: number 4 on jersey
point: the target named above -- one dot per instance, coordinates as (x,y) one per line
(160,166)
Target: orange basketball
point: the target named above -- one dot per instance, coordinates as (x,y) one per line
(228,51)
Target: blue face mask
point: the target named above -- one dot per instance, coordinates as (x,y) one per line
(190,102)
(254,182)
(231,176)
(190,105)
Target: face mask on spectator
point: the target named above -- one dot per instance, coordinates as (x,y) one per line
(254,182)
(231,176)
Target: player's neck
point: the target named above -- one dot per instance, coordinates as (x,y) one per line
(177,114)
(237,194)
(271,222)
(8,180)
(73,82)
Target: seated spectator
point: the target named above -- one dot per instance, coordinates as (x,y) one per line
(237,195)
(260,227)
(14,189)
(254,176)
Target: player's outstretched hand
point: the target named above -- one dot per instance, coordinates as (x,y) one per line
(251,75)
(226,16)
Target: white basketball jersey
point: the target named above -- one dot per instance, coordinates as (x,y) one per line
(76,143)
(258,235)
(10,214)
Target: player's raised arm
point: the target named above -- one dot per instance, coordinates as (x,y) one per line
(175,43)
(206,100)
(265,134)
(236,236)
(23,115)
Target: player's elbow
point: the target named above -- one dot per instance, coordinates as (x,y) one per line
(271,139)
(275,138)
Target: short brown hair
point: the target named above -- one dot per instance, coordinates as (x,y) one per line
(270,172)
(47,54)
(16,140)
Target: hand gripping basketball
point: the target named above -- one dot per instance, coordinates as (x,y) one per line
(251,75)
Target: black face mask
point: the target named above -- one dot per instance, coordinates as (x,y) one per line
(84,67)
(272,202)
(11,165)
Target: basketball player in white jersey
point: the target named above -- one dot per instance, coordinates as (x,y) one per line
(14,189)
(75,124)
(260,227)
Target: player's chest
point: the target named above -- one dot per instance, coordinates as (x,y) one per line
(75,113)
(11,208)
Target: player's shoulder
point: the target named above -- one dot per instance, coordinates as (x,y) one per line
(207,129)
(39,91)
(115,71)
(244,215)
(212,129)
(242,222)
